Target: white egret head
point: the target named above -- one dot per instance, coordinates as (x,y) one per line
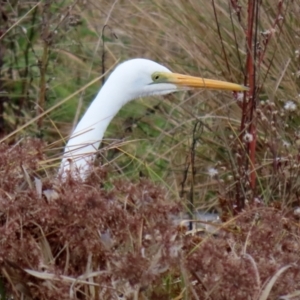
(139,77)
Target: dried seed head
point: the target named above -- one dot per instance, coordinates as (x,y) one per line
(290,106)
(248,137)
(212,172)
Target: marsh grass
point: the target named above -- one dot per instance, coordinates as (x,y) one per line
(205,150)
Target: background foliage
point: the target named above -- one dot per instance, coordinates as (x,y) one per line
(51,49)
(216,150)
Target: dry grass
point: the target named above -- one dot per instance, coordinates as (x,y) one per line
(103,239)
(81,241)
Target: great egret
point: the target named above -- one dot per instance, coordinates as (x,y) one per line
(131,79)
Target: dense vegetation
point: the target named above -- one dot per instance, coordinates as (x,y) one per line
(114,235)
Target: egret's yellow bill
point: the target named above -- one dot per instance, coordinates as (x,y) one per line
(199,82)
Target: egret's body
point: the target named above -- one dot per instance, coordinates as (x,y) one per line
(130,80)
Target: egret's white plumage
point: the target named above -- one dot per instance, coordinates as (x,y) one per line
(130,80)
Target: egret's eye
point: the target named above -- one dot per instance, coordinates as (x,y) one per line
(155,76)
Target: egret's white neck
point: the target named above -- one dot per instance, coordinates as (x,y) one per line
(86,138)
